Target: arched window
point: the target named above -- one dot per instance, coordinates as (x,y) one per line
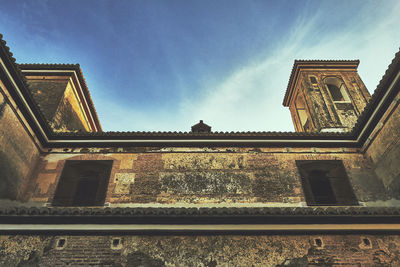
(337,89)
(335,92)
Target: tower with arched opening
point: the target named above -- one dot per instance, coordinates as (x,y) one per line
(325,96)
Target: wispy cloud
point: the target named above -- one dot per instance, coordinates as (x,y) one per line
(250,99)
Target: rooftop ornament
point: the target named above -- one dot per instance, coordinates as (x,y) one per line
(201,127)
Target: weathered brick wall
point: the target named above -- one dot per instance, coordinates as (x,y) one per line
(225,176)
(384,150)
(219,250)
(18,153)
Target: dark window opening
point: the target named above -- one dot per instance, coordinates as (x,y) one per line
(318,242)
(325,182)
(115,242)
(87,188)
(83,183)
(61,243)
(313,80)
(366,241)
(335,92)
(321,187)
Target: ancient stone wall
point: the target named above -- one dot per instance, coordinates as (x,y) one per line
(18,152)
(217,250)
(194,176)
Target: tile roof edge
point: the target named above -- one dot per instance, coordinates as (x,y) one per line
(151,211)
(378,92)
(211,134)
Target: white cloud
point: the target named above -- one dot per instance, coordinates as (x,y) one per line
(250,98)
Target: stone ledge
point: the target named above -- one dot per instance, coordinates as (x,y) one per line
(264,211)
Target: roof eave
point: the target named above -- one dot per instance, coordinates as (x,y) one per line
(298,65)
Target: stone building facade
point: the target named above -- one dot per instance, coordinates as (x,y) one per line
(325,195)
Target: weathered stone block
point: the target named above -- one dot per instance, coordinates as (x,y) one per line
(126,160)
(206,182)
(203,161)
(123,182)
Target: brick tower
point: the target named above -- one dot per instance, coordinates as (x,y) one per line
(325,96)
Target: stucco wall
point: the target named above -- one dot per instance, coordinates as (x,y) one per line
(18,153)
(225,176)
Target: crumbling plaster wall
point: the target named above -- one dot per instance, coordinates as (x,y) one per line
(18,153)
(211,250)
(384,149)
(195,176)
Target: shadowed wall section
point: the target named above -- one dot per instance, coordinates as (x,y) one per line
(18,153)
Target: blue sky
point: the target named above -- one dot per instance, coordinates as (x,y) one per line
(163,65)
